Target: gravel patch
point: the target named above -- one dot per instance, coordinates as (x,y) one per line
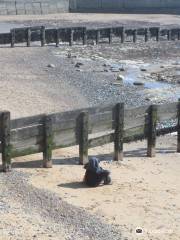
(78,223)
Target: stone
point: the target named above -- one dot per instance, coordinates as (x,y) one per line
(143,69)
(50,65)
(120,78)
(121,69)
(137,83)
(78,64)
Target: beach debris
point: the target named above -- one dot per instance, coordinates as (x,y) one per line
(50,65)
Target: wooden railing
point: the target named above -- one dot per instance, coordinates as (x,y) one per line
(87,128)
(73,35)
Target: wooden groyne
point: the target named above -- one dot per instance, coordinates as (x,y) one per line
(82,35)
(87,128)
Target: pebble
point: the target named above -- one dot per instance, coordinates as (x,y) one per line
(120,78)
(50,65)
(78,64)
(138,83)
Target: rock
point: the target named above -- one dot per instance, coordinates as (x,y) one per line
(121,69)
(78,64)
(120,78)
(161,78)
(143,69)
(106,70)
(138,83)
(50,65)
(161,66)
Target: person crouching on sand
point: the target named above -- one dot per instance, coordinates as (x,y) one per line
(94,174)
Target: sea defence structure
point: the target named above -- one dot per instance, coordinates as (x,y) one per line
(10,7)
(137,6)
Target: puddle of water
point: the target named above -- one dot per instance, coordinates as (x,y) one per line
(6,27)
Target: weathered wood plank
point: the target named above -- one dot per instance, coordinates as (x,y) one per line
(65,138)
(5,143)
(83,137)
(27,121)
(100,140)
(132,113)
(151,139)
(119,132)
(47,143)
(27,132)
(178,127)
(26,151)
(135,131)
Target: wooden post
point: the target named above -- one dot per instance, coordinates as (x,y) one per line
(169,35)
(151,139)
(157,34)
(119,131)
(84,36)
(71,33)
(57,37)
(97,36)
(48,142)
(178,34)
(43,36)
(83,137)
(147,35)
(122,35)
(28,37)
(5,142)
(135,35)
(13,38)
(178,130)
(110,35)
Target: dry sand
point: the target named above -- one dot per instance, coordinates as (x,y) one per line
(144,192)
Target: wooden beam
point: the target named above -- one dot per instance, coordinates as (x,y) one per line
(151,138)
(6,146)
(119,132)
(83,137)
(13,37)
(178,127)
(43,36)
(48,143)
(28,37)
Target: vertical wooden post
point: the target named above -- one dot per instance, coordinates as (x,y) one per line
(84,36)
(71,33)
(119,131)
(151,139)
(169,35)
(97,36)
(43,36)
(135,35)
(28,37)
(122,35)
(110,35)
(178,34)
(57,37)
(48,142)
(178,130)
(157,34)
(5,142)
(147,35)
(13,38)
(83,137)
